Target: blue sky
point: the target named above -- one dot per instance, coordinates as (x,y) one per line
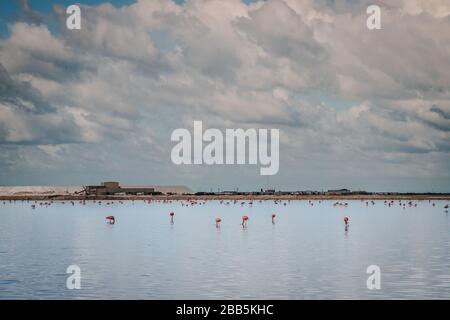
(357,109)
(10,9)
(11,6)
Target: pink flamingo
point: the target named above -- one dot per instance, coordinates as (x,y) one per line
(111,219)
(346,221)
(273,218)
(218,221)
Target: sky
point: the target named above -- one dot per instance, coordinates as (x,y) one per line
(356,108)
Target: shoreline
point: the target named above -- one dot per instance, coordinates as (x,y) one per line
(68,197)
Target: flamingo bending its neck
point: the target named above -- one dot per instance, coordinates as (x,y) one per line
(111,219)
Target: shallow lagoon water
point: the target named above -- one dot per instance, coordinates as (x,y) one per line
(306,254)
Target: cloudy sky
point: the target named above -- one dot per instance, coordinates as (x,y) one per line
(356,108)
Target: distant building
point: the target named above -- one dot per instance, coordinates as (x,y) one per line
(113,188)
(227,193)
(339,191)
(360,192)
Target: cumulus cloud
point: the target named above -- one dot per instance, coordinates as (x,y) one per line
(352,104)
(21,95)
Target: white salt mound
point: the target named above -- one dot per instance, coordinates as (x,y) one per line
(38,190)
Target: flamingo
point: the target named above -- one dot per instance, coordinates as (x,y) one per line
(111,219)
(244,220)
(273,218)
(171,217)
(346,221)
(218,221)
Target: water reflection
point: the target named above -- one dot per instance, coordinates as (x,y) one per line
(303,252)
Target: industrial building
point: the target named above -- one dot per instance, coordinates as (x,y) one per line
(113,188)
(339,191)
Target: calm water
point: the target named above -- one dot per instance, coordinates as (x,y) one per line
(307,254)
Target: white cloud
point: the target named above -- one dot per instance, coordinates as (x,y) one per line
(133,74)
